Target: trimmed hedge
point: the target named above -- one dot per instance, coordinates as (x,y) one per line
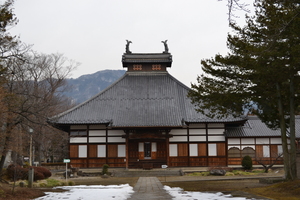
(247,163)
(16,172)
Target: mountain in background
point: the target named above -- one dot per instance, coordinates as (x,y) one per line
(87,86)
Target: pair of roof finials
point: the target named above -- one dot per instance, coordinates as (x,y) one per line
(164,42)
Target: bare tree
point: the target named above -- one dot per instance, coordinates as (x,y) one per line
(268,164)
(34,93)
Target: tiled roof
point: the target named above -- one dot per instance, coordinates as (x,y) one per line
(138,99)
(254,127)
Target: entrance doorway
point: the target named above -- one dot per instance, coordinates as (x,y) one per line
(147,150)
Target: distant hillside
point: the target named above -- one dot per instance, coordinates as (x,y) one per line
(87,86)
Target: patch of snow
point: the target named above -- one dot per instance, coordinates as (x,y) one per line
(91,192)
(180,194)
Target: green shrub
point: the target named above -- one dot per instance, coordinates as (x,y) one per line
(105,169)
(247,163)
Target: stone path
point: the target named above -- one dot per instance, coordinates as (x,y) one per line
(148,188)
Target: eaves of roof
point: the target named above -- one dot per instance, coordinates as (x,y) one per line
(138,100)
(254,127)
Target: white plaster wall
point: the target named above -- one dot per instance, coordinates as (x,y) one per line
(197,138)
(233,141)
(262,140)
(248,141)
(216,138)
(97,139)
(178,139)
(97,133)
(276,141)
(116,139)
(78,139)
(215,132)
(197,131)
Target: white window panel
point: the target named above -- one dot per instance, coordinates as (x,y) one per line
(141,147)
(173,150)
(193,149)
(101,151)
(212,149)
(153,147)
(266,151)
(279,149)
(121,150)
(82,151)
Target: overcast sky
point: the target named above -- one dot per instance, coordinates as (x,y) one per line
(94,32)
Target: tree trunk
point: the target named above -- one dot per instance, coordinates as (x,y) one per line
(2,162)
(293,161)
(286,157)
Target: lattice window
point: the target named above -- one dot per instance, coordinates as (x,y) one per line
(234,153)
(137,67)
(156,67)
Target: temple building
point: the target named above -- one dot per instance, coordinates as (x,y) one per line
(145,120)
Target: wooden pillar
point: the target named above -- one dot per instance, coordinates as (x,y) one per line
(88,146)
(188,141)
(207,149)
(127,150)
(167,148)
(106,147)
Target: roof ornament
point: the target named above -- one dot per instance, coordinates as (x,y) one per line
(166,46)
(127,47)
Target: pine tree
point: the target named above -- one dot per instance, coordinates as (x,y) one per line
(262,69)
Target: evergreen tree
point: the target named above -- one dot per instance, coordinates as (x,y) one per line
(261,68)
